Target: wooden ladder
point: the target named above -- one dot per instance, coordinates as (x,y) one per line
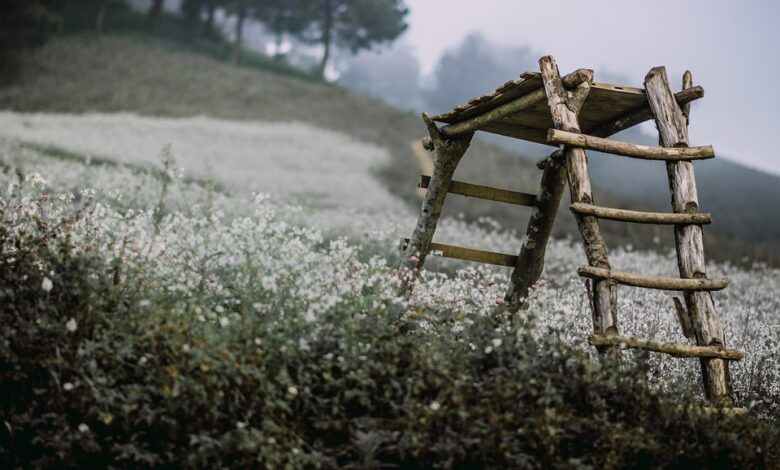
(698,317)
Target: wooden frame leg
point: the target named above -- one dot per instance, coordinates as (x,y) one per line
(564,110)
(530,261)
(447,154)
(672,123)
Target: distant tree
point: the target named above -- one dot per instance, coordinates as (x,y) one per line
(155,10)
(211,8)
(242,9)
(24,25)
(101,16)
(473,68)
(352,24)
(282,17)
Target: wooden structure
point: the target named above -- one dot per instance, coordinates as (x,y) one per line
(575,113)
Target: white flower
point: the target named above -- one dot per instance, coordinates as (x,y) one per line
(46,284)
(223,322)
(72,325)
(143,360)
(488,349)
(292,390)
(83,427)
(240,424)
(435,406)
(496,342)
(144,303)
(67,386)
(185,347)
(258,341)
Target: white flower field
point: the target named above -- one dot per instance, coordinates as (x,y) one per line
(298,211)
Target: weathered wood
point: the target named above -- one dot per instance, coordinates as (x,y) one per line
(447,154)
(644,152)
(683,317)
(687,84)
(604,292)
(671,123)
(638,217)
(530,261)
(642,114)
(468,254)
(484,192)
(653,282)
(673,349)
(523,102)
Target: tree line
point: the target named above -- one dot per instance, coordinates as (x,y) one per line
(351,25)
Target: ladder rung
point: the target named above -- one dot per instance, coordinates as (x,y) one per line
(653,282)
(484,192)
(555,136)
(673,349)
(638,217)
(469,254)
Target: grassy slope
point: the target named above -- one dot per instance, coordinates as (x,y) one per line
(148,75)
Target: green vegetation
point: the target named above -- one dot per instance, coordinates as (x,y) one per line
(162,348)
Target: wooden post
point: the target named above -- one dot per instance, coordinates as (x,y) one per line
(447,154)
(673,129)
(530,261)
(603,294)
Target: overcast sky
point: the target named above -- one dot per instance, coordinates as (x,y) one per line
(730,46)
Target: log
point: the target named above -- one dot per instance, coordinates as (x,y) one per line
(603,296)
(644,152)
(673,349)
(522,102)
(530,260)
(484,192)
(469,254)
(653,282)
(638,217)
(447,154)
(683,318)
(672,126)
(642,114)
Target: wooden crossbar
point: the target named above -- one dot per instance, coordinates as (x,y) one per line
(639,217)
(644,152)
(484,192)
(653,282)
(673,349)
(469,254)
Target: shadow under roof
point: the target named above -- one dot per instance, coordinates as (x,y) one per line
(604,104)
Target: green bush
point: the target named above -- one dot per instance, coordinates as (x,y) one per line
(91,375)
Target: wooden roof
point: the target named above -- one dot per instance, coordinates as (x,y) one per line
(604,104)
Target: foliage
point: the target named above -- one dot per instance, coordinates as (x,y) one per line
(23,25)
(158,330)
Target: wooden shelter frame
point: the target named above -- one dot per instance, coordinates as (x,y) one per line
(576,113)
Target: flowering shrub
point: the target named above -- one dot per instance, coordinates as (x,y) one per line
(161,322)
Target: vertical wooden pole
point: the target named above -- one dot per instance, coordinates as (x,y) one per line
(672,126)
(530,261)
(447,154)
(603,294)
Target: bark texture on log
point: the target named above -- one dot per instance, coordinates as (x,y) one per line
(639,217)
(530,261)
(644,152)
(671,123)
(447,154)
(653,282)
(604,292)
(469,254)
(484,192)
(523,102)
(673,349)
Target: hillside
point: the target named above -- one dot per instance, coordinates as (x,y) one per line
(121,73)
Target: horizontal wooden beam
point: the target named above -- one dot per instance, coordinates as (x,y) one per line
(642,114)
(673,349)
(644,152)
(469,254)
(522,102)
(653,282)
(484,192)
(639,217)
